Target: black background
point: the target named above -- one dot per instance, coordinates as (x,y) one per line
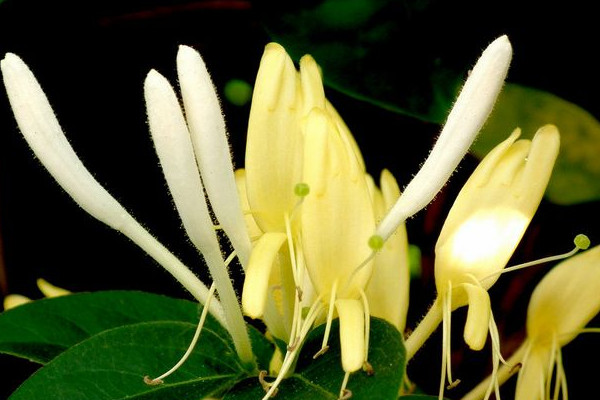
(91,59)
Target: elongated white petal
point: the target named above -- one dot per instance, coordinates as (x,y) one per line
(41,129)
(174,148)
(207,127)
(468,115)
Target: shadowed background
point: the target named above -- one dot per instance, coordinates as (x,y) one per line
(91,59)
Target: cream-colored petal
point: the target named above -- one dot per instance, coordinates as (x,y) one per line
(15,300)
(49,290)
(337,216)
(566,299)
(352,333)
(531,382)
(256,282)
(274,143)
(478,316)
(254,232)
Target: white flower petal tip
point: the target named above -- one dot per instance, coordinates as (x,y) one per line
(206,124)
(470,111)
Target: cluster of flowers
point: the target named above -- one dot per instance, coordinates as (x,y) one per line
(317,238)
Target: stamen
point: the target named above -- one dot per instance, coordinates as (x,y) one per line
(376,242)
(367,366)
(324,346)
(290,355)
(265,385)
(159,380)
(581,241)
(345,393)
(301,189)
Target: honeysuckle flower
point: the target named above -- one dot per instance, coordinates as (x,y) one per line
(561,305)
(183,144)
(337,220)
(469,113)
(482,230)
(270,185)
(41,129)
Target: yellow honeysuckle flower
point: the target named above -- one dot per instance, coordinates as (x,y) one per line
(561,305)
(482,230)
(337,220)
(268,184)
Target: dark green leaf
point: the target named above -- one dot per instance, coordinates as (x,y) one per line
(41,330)
(111,365)
(321,379)
(418,397)
(576,175)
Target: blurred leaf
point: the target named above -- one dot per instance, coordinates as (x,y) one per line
(367,49)
(111,365)
(576,175)
(321,378)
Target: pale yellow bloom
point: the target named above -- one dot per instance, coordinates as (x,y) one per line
(482,230)
(561,306)
(337,220)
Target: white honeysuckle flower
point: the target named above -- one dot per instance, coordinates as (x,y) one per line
(174,147)
(470,111)
(207,128)
(39,126)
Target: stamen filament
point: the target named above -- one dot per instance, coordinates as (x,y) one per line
(290,355)
(367,325)
(534,262)
(504,373)
(183,359)
(345,393)
(324,346)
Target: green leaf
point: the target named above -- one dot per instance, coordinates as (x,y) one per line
(418,397)
(576,175)
(112,364)
(367,49)
(42,329)
(321,378)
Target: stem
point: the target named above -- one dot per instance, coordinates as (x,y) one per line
(426,327)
